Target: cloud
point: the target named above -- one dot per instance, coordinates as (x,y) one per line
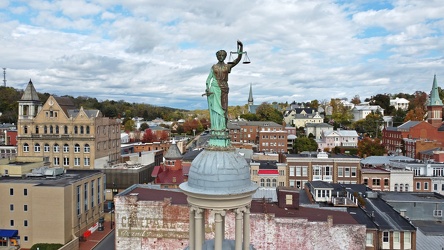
(160,52)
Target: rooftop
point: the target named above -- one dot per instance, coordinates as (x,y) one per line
(71,176)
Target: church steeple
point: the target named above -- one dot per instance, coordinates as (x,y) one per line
(434,106)
(29,104)
(250,96)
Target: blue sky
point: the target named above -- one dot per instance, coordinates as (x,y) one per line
(160,52)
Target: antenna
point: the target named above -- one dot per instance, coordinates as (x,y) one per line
(4,77)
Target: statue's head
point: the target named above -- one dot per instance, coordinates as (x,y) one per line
(221,55)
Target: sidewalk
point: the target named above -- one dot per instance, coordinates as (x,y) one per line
(96,237)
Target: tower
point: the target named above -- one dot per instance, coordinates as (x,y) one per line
(250,96)
(29,104)
(434,106)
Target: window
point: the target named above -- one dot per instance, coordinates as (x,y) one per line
(66,161)
(77,148)
(87,129)
(76,130)
(36,129)
(291,171)
(435,187)
(407,240)
(25,238)
(11,223)
(347,172)
(98,191)
(25,147)
(418,185)
(11,207)
(11,191)
(25,208)
(25,129)
(304,171)
(376,182)
(25,192)
(25,223)
(46,147)
(86,148)
(298,171)
(316,170)
(353,172)
(56,161)
(78,200)
(56,148)
(81,129)
(85,197)
(45,129)
(51,129)
(288,199)
(292,183)
(437,213)
(406,187)
(57,129)
(386,182)
(340,172)
(268,183)
(369,239)
(92,193)
(366,181)
(262,183)
(274,183)
(396,187)
(426,186)
(385,237)
(86,161)
(36,147)
(76,161)
(65,129)
(65,148)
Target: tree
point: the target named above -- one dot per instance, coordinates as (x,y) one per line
(416,114)
(164,136)
(356,100)
(129,125)
(249,117)
(341,115)
(368,147)
(149,136)
(305,144)
(370,125)
(144,126)
(266,112)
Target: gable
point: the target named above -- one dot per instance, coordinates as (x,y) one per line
(51,110)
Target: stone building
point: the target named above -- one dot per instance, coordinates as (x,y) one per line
(65,135)
(148,217)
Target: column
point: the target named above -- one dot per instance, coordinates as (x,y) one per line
(219,234)
(238,229)
(191,243)
(247,228)
(198,225)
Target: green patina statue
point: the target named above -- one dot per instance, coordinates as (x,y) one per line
(217,94)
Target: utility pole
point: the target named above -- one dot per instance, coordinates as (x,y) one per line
(4,77)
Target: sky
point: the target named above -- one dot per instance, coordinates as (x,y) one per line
(160,52)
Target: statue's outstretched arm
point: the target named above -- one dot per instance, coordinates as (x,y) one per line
(240,49)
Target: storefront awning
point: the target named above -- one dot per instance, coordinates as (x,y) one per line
(8,233)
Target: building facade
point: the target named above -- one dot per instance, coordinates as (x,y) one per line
(66,136)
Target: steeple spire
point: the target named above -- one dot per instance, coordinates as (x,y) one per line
(250,96)
(434,94)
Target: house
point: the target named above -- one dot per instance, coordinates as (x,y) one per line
(316,129)
(400,103)
(338,138)
(361,111)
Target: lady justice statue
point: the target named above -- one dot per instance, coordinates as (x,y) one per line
(217,91)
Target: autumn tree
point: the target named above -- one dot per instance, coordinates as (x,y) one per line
(356,100)
(341,115)
(304,144)
(164,136)
(416,114)
(369,147)
(149,136)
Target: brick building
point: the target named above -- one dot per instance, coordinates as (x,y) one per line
(313,166)
(148,217)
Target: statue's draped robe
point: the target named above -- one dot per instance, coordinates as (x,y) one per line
(217,113)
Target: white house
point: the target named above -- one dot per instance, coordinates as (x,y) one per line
(400,103)
(361,111)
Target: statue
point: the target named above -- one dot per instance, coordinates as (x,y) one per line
(217,89)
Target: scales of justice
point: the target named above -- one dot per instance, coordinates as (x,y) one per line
(217,94)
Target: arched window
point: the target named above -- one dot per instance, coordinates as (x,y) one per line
(37,129)
(396,187)
(87,130)
(86,148)
(56,148)
(25,129)
(46,147)
(36,147)
(45,129)
(51,129)
(406,187)
(65,148)
(77,148)
(25,147)
(81,129)
(76,129)
(268,183)
(262,183)
(65,129)
(274,182)
(57,129)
